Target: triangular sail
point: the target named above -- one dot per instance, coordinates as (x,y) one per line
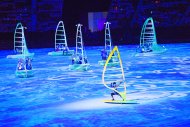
(115,74)
(19,40)
(60,36)
(79,43)
(108,41)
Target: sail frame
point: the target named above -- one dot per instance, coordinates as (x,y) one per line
(25,72)
(79,43)
(79,59)
(60,36)
(19,39)
(108,40)
(148,40)
(20,46)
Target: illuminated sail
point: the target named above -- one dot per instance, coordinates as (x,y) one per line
(20,47)
(19,40)
(148,41)
(61,47)
(108,41)
(60,36)
(79,43)
(79,59)
(115,74)
(108,47)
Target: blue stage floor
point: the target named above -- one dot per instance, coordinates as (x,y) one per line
(59,97)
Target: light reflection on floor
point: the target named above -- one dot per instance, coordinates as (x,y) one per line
(57,96)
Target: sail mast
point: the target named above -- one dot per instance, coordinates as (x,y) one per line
(79,42)
(20,46)
(60,36)
(24,42)
(154,35)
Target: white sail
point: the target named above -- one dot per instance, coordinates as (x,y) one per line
(108,41)
(79,59)
(60,36)
(108,46)
(115,74)
(19,40)
(79,43)
(61,47)
(20,47)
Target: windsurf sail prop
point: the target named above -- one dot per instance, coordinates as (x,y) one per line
(79,59)
(19,40)
(148,40)
(20,47)
(108,46)
(61,47)
(60,37)
(115,74)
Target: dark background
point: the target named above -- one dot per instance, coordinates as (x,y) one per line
(171,19)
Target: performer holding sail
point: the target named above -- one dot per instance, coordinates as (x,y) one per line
(114,86)
(104,54)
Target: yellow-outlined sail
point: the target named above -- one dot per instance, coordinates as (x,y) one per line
(115,74)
